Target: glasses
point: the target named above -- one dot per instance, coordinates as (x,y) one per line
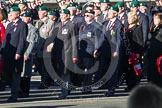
(87,15)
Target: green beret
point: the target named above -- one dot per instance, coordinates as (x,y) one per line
(26,14)
(104,1)
(115,8)
(72,4)
(90,11)
(65,11)
(79,7)
(52,13)
(119,4)
(42,8)
(134,4)
(23,2)
(14,9)
(143,4)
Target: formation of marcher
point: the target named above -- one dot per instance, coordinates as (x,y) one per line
(80,36)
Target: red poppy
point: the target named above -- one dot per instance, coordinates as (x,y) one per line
(124,29)
(113,25)
(16,24)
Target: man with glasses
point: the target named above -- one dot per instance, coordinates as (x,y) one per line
(89,44)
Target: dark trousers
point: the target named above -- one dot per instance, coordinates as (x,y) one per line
(86,63)
(131,78)
(12,74)
(65,87)
(25,85)
(46,80)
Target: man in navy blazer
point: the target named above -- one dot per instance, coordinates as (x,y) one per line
(111,47)
(12,50)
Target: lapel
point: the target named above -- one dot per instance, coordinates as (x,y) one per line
(133,28)
(116,23)
(12,26)
(67,23)
(101,18)
(62,27)
(91,25)
(113,25)
(46,21)
(74,19)
(106,24)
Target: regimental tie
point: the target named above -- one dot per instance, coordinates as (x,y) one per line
(108,25)
(84,26)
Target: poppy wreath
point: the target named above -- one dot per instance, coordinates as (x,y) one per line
(134,60)
(158,64)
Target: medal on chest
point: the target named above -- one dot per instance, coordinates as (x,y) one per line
(45,29)
(16,24)
(112,33)
(64,31)
(89,34)
(112,26)
(15,29)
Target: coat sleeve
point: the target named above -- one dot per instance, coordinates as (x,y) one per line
(22,39)
(119,37)
(98,37)
(145,28)
(33,40)
(74,35)
(52,29)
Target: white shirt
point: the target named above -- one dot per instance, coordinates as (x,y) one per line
(105,14)
(120,15)
(15,21)
(71,18)
(111,21)
(90,22)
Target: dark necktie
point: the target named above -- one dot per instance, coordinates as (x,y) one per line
(84,26)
